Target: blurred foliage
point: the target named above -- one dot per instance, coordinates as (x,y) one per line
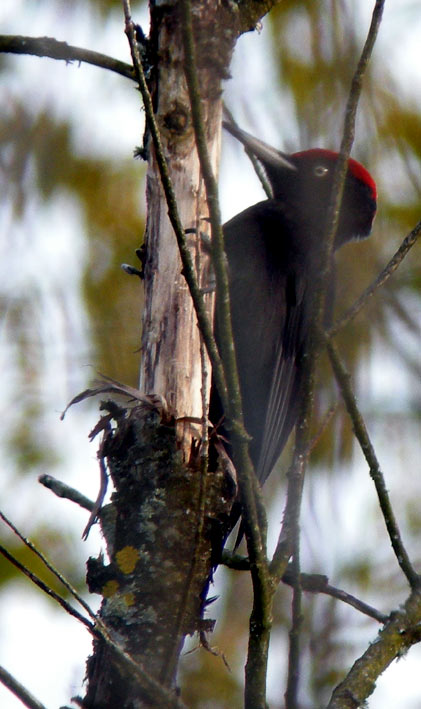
(42,165)
(315,47)
(215,680)
(109,194)
(62,554)
(328,646)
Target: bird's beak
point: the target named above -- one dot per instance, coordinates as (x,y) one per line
(262,151)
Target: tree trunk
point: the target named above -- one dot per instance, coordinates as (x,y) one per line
(153,589)
(165,506)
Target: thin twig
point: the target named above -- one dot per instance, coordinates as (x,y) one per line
(97,628)
(257,166)
(310,583)
(289,538)
(290,543)
(50,47)
(361,433)
(381,279)
(188,268)
(149,683)
(170,660)
(322,428)
(27,699)
(348,132)
(43,586)
(393,641)
(348,135)
(291,692)
(61,489)
(103,483)
(215,651)
(254,513)
(318,583)
(354,602)
(48,565)
(219,262)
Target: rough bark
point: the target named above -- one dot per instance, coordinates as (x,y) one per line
(171,364)
(152,588)
(166,506)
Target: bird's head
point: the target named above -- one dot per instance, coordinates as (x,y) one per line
(304,180)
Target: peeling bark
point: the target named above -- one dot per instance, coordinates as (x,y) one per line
(167,509)
(153,588)
(171,364)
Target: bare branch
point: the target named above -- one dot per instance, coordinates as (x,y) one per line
(62,490)
(50,567)
(398,635)
(354,602)
(289,539)
(295,483)
(37,581)
(323,426)
(254,515)
(229,118)
(310,583)
(27,699)
(348,139)
(318,583)
(219,261)
(50,47)
(361,433)
(99,628)
(381,279)
(294,635)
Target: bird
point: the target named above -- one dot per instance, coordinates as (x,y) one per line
(273,251)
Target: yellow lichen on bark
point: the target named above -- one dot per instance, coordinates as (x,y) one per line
(127,559)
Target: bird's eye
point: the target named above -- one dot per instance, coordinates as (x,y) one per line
(320,170)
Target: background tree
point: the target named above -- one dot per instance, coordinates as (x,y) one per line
(317,79)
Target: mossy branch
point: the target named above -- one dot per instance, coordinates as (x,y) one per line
(399,634)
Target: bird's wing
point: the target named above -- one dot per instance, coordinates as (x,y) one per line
(285,390)
(268,281)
